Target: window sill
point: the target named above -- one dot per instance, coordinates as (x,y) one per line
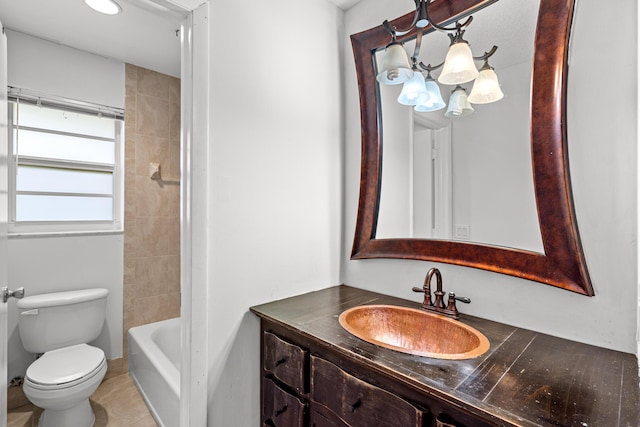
(39,234)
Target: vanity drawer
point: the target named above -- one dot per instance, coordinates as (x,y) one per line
(280,408)
(357,402)
(319,418)
(287,362)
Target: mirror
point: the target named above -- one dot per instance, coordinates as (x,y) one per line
(467,178)
(560,261)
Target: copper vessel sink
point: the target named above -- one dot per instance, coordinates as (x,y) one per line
(414,331)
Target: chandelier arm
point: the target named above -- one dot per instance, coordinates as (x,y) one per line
(416,51)
(486,55)
(395,32)
(429,68)
(439,27)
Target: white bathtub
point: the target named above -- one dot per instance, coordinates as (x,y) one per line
(154,366)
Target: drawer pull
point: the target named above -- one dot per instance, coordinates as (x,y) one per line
(356,405)
(281,361)
(282,411)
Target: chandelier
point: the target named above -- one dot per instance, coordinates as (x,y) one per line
(423,92)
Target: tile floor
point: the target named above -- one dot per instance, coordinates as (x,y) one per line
(116,403)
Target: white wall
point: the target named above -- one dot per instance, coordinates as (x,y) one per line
(54,69)
(493,189)
(395,193)
(59,263)
(53,264)
(602,150)
(274,183)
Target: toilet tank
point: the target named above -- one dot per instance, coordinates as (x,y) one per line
(50,321)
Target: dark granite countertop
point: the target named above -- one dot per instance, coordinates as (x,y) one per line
(526,378)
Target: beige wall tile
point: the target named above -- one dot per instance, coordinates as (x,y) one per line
(129,275)
(174,90)
(173,273)
(152,236)
(151,309)
(152,276)
(151,200)
(173,237)
(174,121)
(129,147)
(173,201)
(152,83)
(130,75)
(173,309)
(174,158)
(152,208)
(152,116)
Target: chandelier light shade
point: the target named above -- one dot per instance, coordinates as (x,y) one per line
(458,65)
(433,100)
(459,105)
(413,90)
(395,66)
(486,88)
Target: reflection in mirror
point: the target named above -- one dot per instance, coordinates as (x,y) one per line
(467,178)
(482,179)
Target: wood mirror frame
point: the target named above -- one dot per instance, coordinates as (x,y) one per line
(562,264)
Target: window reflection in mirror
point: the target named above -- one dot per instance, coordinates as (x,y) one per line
(468,178)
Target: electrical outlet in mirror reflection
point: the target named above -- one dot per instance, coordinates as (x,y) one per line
(462,232)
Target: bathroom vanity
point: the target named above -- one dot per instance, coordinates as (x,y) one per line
(314,373)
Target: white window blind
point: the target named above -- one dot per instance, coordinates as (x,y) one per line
(67,165)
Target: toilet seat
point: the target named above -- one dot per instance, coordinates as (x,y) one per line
(65,367)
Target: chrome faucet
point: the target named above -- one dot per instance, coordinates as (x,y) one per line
(438,305)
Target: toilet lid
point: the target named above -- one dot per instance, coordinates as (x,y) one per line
(65,365)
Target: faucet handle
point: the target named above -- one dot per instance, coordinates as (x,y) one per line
(461,299)
(427,295)
(451,304)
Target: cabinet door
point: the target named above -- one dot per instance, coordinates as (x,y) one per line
(357,402)
(287,362)
(279,408)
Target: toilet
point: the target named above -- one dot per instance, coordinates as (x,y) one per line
(59,326)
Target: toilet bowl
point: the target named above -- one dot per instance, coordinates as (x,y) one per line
(59,326)
(61,382)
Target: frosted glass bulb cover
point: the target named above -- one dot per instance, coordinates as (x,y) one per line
(433,100)
(413,90)
(458,104)
(108,7)
(458,65)
(395,66)
(486,88)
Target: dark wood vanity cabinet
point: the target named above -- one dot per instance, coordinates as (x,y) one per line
(314,373)
(306,384)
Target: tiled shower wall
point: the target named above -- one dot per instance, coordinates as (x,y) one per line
(152,207)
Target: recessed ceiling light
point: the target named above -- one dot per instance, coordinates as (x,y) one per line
(108,7)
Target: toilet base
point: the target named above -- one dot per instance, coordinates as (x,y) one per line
(80,415)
